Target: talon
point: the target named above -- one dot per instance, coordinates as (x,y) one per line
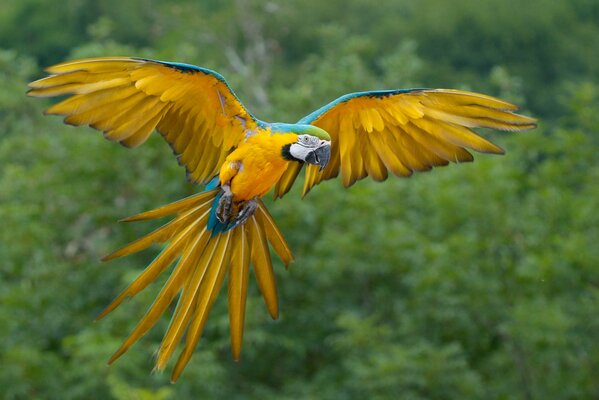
(225,205)
(246,210)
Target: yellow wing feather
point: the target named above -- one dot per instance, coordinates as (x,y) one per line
(404,131)
(265,277)
(238,284)
(204,260)
(128,98)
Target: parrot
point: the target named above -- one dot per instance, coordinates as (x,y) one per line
(225,229)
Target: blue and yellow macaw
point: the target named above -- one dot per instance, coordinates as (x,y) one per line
(222,230)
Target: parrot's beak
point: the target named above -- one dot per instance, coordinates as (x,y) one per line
(321,155)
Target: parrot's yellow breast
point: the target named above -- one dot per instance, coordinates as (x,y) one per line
(256,165)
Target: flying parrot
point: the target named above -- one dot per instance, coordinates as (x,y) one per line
(224,229)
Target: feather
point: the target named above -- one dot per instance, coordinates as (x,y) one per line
(387,155)
(160,263)
(237,293)
(185,305)
(174,207)
(273,234)
(127,98)
(104,117)
(79,88)
(162,234)
(129,123)
(143,133)
(167,293)
(206,296)
(84,102)
(478,112)
(459,97)
(457,135)
(77,77)
(95,65)
(263,266)
(373,164)
(441,148)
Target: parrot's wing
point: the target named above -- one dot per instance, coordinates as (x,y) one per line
(403,131)
(127,98)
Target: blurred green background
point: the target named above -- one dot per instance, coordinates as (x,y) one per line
(477,281)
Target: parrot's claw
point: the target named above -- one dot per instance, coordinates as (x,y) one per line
(246,210)
(225,205)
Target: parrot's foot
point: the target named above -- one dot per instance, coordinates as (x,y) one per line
(225,205)
(246,210)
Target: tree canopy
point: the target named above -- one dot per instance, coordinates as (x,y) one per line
(474,281)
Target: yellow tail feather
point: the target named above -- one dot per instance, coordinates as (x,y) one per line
(202,260)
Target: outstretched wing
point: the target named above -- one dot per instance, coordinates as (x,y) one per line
(403,131)
(127,98)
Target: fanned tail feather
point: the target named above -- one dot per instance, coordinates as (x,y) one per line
(202,261)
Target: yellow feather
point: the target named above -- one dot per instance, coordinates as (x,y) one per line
(346,142)
(238,284)
(377,120)
(476,122)
(357,161)
(79,77)
(96,65)
(425,156)
(273,234)
(84,102)
(206,296)
(105,121)
(365,117)
(208,164)
(263,266)
(150,69)
(155,85)
(457,135)
(410,106)
(443,149)
(193,148)
(311,176)
(405,151)
(396,111)
(107,112)
(202,146)
(185,306)
(175,92)
(286,181)
(174,207)
(144,132)
(163,233)
(332,170)
(381,143)
(476,112)
(167,293)
(460,97)
(79,88)
(374,166)
(137,116)
(185,129)
(160,263)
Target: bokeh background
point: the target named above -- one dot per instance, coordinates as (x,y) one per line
(474,281)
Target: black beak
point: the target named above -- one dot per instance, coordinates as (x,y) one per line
(320,156)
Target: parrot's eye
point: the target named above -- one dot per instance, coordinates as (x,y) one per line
(307,140)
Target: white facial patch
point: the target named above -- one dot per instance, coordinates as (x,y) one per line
(299,152)
(304,145)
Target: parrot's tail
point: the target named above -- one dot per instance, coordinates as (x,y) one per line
(203,259)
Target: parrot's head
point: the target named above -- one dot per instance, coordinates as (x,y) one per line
(313,145)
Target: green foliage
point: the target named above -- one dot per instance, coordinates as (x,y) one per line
(473,281)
